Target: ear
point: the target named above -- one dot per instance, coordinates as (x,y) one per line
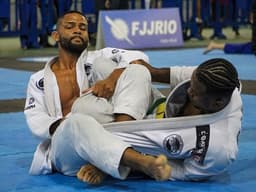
(55,36)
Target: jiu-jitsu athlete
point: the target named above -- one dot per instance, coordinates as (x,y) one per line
(65,145)
(200,133)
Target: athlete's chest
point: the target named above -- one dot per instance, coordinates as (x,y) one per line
(68,88)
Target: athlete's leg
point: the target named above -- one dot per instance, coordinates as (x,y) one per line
(131,98)
(91,174)
(133,93)
(157,168)
(80,140)
(97,107)
(130,101)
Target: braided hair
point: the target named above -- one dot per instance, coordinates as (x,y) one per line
(218,75)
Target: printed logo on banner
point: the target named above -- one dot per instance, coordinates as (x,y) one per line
(119,29)
(154,28)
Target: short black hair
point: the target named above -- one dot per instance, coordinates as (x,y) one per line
(218,75)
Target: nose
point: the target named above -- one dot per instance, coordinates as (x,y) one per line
(77,30)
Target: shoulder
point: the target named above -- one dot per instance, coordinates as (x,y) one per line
(40,74)
(105,52)
(37,75)
(37,80)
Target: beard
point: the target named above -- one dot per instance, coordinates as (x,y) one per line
(73,48)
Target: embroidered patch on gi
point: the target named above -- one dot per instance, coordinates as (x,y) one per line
(173,144)
(202,143)
(114,51)
(40,84)
(31,104)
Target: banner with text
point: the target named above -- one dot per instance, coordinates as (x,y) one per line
(137,29)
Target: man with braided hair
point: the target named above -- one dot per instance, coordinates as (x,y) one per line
(201,126)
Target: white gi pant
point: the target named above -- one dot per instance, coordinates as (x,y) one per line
(81,139)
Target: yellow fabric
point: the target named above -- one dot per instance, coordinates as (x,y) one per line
(160,111)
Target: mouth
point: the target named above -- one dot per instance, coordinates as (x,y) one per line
(77,39)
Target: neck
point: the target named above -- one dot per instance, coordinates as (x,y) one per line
(66,60)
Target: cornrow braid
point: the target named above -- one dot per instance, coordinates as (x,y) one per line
(218,75)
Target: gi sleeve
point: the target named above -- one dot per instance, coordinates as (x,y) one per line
(238,48)
(180,73)
(37,117)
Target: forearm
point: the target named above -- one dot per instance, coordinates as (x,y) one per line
(161,75)
(114,76)
(238,48)
(106,87)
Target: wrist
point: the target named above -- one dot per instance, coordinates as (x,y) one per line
(114,76)
(161,75)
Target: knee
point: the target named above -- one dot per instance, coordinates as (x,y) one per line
(103,66)
(83,105)
(78,122)
(84,126)
(73,124)
(78,118)
(139,72)
(88,105)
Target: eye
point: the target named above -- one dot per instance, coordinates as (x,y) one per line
(83,27)
(69,25)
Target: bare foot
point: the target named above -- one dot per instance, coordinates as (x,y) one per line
(157,168)
(90,174)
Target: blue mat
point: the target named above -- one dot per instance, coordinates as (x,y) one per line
(17,146)
(13,83)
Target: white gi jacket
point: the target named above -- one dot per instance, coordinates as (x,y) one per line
(43,106)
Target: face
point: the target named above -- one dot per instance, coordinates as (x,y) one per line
(199,97)
(72,33)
